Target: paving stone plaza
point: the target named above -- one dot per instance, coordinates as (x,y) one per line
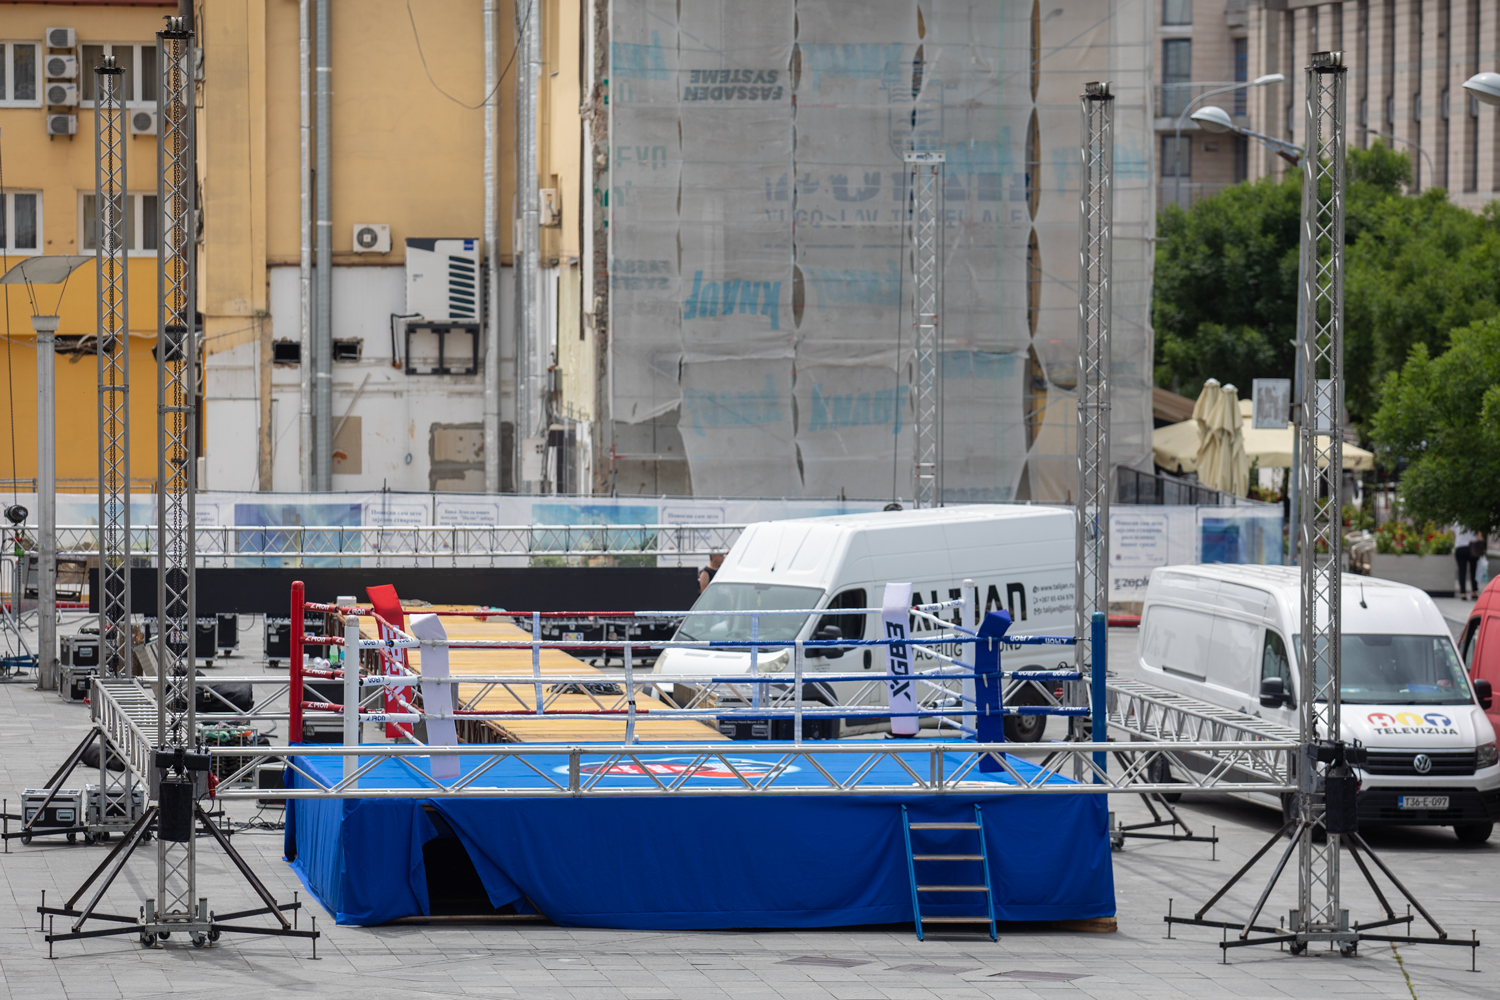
(539,960)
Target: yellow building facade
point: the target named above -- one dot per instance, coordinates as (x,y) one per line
(406,135)
(48,185)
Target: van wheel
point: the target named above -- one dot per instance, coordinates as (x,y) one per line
(1026,728)
(1473,833)
(1159,772)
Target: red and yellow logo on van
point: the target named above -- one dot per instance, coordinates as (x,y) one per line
(1410,723)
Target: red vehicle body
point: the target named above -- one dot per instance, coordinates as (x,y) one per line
(1479,645)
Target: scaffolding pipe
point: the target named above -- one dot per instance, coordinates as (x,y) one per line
(1095,242)
(492,256)
(113,359)
(304,284)
(530,411)
(323,328)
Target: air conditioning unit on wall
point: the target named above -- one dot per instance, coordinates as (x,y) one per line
(442,279)
(61,38)
(62,67)
(62,124)
(142,122)
(62,95)
(371,237)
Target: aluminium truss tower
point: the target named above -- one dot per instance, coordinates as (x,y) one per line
(176,899)
(925,217)
(111,235)
(1095,239)
(1319,517)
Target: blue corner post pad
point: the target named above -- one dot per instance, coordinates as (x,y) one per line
(989,724)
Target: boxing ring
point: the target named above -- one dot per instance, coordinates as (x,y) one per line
(709,834)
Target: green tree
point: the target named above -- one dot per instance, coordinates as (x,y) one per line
(1225,297)
(1379,171)
(1420,268)
(1442,415)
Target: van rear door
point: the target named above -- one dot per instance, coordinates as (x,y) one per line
(1175,643)
(1481,653)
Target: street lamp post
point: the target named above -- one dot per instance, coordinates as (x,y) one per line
(45,328)
(1485,87)
(1259,81)
(33,271)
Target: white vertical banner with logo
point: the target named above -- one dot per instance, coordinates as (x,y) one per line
(895,611)
(437,696)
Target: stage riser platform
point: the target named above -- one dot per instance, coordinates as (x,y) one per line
(712,862)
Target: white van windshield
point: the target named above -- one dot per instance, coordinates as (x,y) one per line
(1399,670)
(749,597)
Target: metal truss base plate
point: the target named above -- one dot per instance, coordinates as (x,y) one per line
(154,933)
(1348,941)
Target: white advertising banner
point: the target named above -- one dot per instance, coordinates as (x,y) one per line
(896,613)
(437,696)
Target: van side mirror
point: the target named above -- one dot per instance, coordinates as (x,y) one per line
(1273,693)
(1484,692)
(827,633)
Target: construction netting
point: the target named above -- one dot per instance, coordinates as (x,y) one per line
(761,266)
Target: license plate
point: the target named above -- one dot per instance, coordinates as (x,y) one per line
(1422,802)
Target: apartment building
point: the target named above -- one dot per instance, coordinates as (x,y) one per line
(1407,59)
(48,53)
(1202,52)
(415,228)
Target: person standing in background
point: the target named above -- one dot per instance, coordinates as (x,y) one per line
(1479,554)
(706,574)
(1463,556)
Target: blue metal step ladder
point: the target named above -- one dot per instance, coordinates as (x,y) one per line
(912,858)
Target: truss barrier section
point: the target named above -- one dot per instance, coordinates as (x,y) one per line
(1145,713)
(241,546)
(919,767)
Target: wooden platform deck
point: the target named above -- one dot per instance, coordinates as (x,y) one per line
(609,728)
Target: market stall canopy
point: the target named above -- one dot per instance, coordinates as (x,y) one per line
(1175,447)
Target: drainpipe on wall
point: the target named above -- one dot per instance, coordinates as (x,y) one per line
(492,252)
(304,284)
(530,356)
(323,329)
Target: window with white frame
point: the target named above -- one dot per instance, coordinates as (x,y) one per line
(137,59)
(20,74)
(141,223)
(21,222)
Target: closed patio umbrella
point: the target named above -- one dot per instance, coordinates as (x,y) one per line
(1221,460)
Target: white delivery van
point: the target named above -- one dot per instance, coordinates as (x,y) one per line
(1019,557)
(1229,635)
